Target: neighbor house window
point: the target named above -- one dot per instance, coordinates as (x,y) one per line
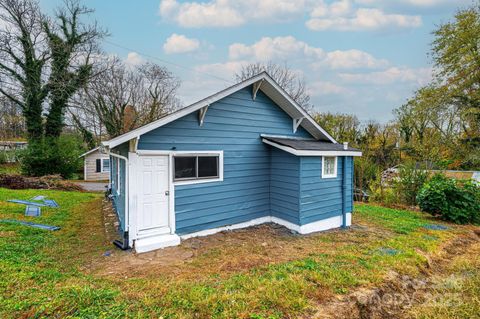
(105,165)
(197,168)
(329,167)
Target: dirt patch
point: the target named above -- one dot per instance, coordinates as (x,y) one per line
(54,182)
(228,252)
(399,293)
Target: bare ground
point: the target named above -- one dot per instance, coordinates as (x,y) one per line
(241,250)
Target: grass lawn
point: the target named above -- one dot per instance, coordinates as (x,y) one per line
(10,168)
(262,273)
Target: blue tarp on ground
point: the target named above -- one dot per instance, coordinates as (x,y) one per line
(30,224)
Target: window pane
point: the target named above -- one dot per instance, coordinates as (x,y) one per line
(207,166)
(329,165)
(106,165)
(185,167)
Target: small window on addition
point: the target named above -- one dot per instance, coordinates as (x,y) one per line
(197,168)
(329,167)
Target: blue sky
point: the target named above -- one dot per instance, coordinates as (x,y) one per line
(364,57)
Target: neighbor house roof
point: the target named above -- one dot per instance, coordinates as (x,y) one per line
(310,147)
(89,152)
(263,82)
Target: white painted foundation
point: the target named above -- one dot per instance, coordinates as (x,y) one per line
(163,241)
(321,225)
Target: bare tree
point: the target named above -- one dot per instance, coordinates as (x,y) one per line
(122,98)
(23,58)
(44,60)
(292,82)
(12,123)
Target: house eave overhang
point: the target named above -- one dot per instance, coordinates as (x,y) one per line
(296,152)
(269,87)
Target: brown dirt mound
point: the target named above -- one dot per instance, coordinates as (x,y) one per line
(399,292)
(56,182)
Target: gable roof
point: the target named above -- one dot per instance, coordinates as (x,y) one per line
(268,86)
(89,152)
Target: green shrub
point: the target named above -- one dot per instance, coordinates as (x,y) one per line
(3,157)
(53,156)
(451,200)
(410,181)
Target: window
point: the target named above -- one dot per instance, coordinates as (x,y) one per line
(329,167)
(105,165)
(118,184)
(198,168)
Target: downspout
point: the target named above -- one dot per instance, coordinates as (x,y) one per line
(344,188)
(123,245)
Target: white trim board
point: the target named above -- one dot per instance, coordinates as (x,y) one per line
(321,225)
(311,153)
(269,87)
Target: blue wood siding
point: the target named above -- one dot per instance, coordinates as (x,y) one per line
(321,198)
(234,125)
(284,186)
(118,198)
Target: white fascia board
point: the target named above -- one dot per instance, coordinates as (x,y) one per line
(89,152)
(212,99)
(311,153)
(299,108)
(181,113)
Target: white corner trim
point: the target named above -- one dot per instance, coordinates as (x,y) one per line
(311,153)
(335,168)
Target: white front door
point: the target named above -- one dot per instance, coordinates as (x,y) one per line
(153,191)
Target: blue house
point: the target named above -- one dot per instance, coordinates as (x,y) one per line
(246,155)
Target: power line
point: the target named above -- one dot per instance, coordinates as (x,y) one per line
(167,62)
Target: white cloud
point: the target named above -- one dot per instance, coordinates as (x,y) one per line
(178,43)
(322,88)
(134,59)
(229,13)
(420,76)
(289,48)
(351,59)
(359,20)
(274,48)
(225,70)
(414,3)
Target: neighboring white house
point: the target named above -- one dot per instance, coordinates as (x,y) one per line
(96,166)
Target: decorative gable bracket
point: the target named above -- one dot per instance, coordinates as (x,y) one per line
(256,87)
(201,114)
(296,124)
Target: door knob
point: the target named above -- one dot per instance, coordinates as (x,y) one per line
(167,193)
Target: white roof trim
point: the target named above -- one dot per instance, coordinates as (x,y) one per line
(91,151)
(214,98)
(311,153)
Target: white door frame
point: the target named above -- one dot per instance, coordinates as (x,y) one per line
(133,191)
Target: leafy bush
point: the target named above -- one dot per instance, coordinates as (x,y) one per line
(53,156)
(410,181)
(454,201)
(3,157)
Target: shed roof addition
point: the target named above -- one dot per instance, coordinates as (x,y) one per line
(310,147)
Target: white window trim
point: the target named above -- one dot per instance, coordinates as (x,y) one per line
(118,185)
(102,170)
(335,168)
(203,180)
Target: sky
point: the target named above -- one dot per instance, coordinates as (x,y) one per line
(362,57)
